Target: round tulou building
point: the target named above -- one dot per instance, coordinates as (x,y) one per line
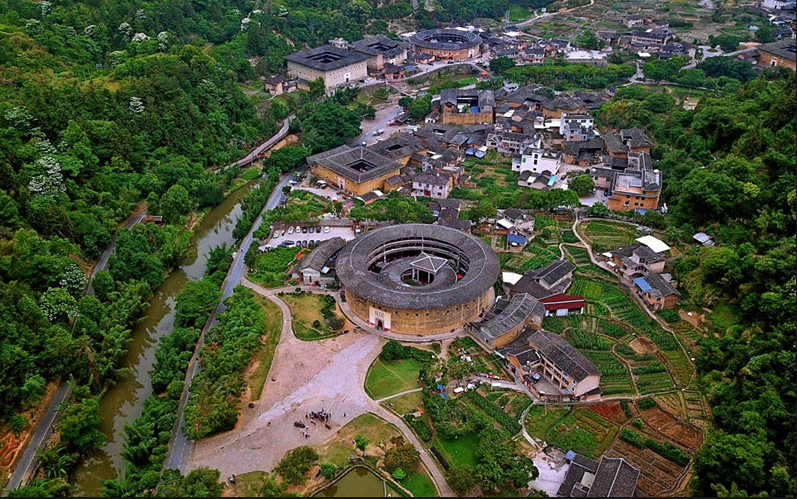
(445,43)
(417,278)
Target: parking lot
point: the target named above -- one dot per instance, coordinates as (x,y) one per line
(318,235)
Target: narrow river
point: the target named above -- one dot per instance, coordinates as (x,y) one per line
(123,401)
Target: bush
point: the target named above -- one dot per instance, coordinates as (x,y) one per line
(638,423)
(669,315)
(334,323)
(632,438)
(646,403)
(328,470)
(296,464)
(420,426)
(399,474)
(626,408)
(17,423)
(493,410)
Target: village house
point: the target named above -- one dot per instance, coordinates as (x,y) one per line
(635,21)
(551,368)
(657,291)
(435,185)
(585,153)
(650,37)
(560,305)
(611,477)
(637,187)
(577,126)
(275,85)
(317,268)
(635,261)
(465,107)
(507,319)
(549,280)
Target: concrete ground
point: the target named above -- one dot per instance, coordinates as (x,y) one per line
(305,376)
(347,233)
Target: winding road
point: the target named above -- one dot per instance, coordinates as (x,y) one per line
(28,462)
(180,446)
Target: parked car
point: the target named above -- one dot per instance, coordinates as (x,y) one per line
(304,243)
(311,243)
(298,229)
(450,62)
(304,230)
(326,229)
(290,230)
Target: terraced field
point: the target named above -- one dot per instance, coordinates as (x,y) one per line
(606,235)
(615,378)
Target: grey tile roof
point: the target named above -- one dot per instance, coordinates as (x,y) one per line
(662,287)
(358,164)
(318,257)
(326,57)
(614,478)
(521,307)
(553,271)
(563,355)
(355,259)
(578,467)
(379,44)
(635,137)
(398,146)
(613,143)
(785,49)
(445,39)
(455,223)
(431,178)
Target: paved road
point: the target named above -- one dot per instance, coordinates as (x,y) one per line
(109,250)
(43,429)
(382,124)
(180,447)
(399,394)
(256,151)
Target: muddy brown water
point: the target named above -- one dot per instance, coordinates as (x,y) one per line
(123,401)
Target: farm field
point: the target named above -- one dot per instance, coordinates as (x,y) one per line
(482,361)
(604,235)
(583,431)
(664,426)
(386,378)
(512,402)
(541,418)
(578,255)
(615,379)
(657,474)
(460,451)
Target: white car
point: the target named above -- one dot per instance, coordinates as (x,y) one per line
(290,230)
(326,229)
(298,229)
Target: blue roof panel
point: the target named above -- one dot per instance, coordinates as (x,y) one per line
(643,284)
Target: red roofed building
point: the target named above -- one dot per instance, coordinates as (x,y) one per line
(561,304)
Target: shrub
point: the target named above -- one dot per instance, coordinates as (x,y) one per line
(18,422)
(399,474)
(493,410)
(638,423)
(646,403)
(295,464)
(669,315)
(626,408)
(328,470)
(334,323)
(420,426)
(632,438)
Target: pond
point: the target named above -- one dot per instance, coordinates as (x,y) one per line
(358,482)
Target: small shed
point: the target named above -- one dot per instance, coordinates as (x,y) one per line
(703,238)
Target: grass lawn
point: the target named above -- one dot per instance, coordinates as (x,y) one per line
(420,484)
(724,314)
(540,419)
(568,435)
(369,425)
(257,377)
(388,378)
(246,485)
(305,311)
(403,403)
(460,451)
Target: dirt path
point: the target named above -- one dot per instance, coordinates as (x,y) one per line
(309,376)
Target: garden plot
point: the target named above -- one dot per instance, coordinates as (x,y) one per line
(578,255)
(615,378)
(604,235)
(612,411)
(662,425)
(652,377)
(482,361)
(657,474)
(583,431)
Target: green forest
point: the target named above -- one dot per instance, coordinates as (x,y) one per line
(729,170)
(108,109)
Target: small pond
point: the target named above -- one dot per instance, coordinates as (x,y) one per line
(358,482)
